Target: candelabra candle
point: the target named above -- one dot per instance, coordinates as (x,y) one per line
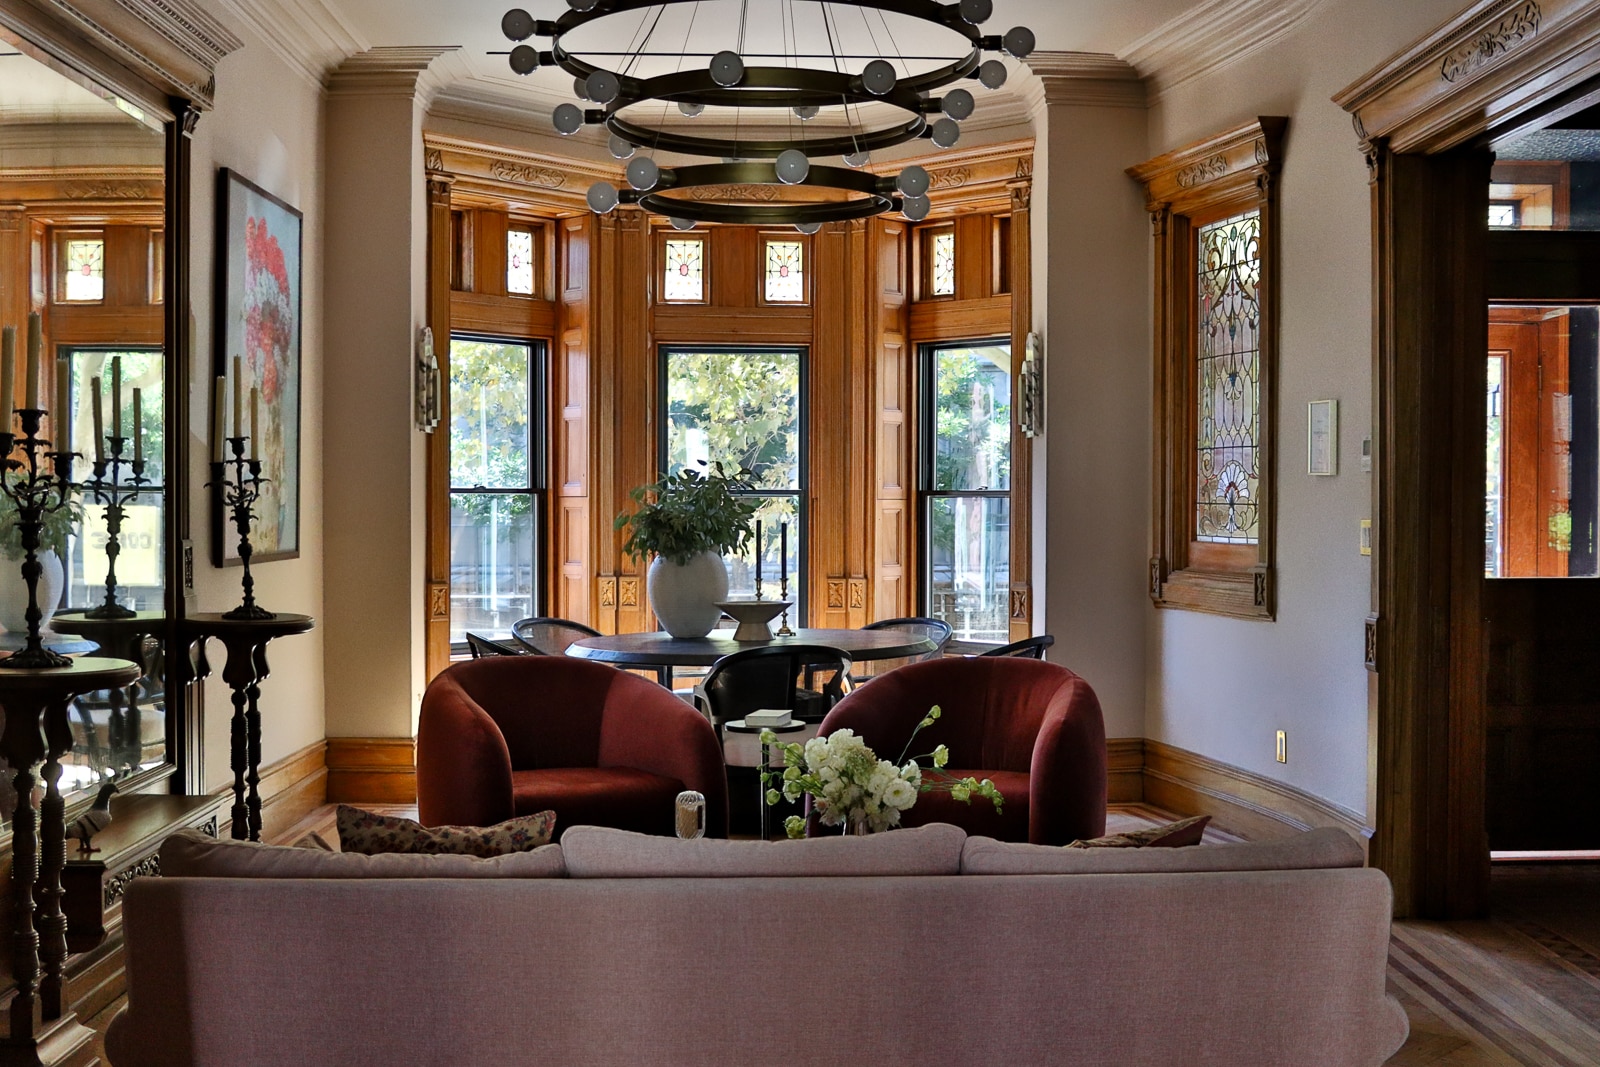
(239,495)
(36,491)
(758,559)
(109,488)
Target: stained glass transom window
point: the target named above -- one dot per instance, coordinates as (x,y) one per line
(1228,475)
(944,264)
(786,275)
(83,276)
(684,271)
(519,262)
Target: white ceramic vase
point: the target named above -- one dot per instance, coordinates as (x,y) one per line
(14,592)
(684,596)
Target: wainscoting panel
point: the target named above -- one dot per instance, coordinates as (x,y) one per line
(1125,770)
(372,770)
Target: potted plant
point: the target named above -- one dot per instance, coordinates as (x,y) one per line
(687,521)
(58,526)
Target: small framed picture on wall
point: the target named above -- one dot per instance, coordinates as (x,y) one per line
(1322,437)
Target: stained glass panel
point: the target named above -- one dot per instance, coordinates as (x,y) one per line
(519,262)
(944,264)
(84,273)
(1228,475)
(684,272)
(786,273)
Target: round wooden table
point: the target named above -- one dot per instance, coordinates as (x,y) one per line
(661,651)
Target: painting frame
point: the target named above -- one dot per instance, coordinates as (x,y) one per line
(258,316)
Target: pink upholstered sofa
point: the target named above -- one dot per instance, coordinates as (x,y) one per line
(617,948)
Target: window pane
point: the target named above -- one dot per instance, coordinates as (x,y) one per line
(84,270)
(492,564)
(786,278)
(972,400)
(142,370)
(1228,477)
(944,264)
(741,409)
(969,566)
(773,513)
(489,397)
(684,273)
(519,262)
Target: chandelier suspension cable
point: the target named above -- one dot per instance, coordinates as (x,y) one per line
(928,99)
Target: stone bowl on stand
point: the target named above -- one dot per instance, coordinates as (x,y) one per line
(753,617)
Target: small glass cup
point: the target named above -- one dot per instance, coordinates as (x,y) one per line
(691,815)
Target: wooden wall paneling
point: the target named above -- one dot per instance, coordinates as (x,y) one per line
(436,604)
(974,257)
(372,770)
(1019,270)
(961,320)
(892,581)
(830,380)
(127,266)
(698,324)
(90,324)
(489,251)
(507,316)
(633,384)
(857,562)
(733,263)
(571,594)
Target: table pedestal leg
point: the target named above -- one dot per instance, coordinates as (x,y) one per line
(52,859)
(238,751)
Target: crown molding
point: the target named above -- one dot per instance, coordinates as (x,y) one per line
(1210,37)
(1215,167)
(388,71)
(1091,79)
(308,35)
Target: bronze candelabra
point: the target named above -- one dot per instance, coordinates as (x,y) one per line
(36,493)
(109,489)
(239,496)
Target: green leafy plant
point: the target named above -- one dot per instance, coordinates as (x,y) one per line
(58,526)
(688,513)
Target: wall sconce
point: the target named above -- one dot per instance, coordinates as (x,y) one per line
(1030,387)
(427,382)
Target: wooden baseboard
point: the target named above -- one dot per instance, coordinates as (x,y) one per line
(291,789)
(1125,770)
(1253,806)
(372,770)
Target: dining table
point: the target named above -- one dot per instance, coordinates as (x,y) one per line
(661,652)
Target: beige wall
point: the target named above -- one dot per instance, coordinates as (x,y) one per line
(267,126)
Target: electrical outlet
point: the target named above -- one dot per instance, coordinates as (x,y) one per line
(1283,747)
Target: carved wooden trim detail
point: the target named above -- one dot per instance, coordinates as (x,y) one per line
(628,592)
(836,594)
(608,592)
(117,884)
(433,159)
(523,173)
(1516,28)
(1370,658)
(1207,170)
(858,594)
(1214,168)
(1019,603)
(439,603)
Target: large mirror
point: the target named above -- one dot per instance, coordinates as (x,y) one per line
(82,245)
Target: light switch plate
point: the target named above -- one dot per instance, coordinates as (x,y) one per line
(1283,747)
(1366,537)
(1366,453)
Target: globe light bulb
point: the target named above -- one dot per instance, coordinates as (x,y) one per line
(620,149)
(913,181)
(567,119)
(992,74)
(808,227)
(957,103)
(806,112)
(643,173)
(517,25)
(946,132)
(916,208)
(580,88)
(524,59)
(582,5)
(976,12)
(690,109)
(602,197)
(603,86)
(682,224)
(727,69)
(1018,43)
(878,77)
(792,166)
(856,159)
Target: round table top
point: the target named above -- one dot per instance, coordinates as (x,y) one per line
(83,675)
(661,649)
(77,621)
(216,624)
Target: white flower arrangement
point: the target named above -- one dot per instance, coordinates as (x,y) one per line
(848,784)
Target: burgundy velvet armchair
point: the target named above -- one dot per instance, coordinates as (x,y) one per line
(514,735)
(1033,727)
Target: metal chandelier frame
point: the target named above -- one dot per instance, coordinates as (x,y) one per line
(727,82)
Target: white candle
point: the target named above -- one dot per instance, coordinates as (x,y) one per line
(35,346)
(61,415)
(255,451)
(238,397)
(116,396)
(99,428)
(138,426)
(8,373)
(216,419)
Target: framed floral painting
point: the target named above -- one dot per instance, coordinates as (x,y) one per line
(258,324)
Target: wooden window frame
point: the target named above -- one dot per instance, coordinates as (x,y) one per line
(60,237)
(922,260)
(658,274)
(808,279)
(1226,175)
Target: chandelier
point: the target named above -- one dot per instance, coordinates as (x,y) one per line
(859,101)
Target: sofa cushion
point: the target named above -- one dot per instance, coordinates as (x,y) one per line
(1312,850)
(191,854)
(1180,834)
(371,833)
(601,852)
(624,797)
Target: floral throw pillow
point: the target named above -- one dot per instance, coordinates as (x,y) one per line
(372,834)
(1179,834)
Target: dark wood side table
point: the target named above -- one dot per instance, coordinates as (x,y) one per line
(246,642)
(37,732)
(123,638)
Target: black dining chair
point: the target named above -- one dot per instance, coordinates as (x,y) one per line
(768,677)
(481,646)
(1028,648)
(545,636)
(936,630)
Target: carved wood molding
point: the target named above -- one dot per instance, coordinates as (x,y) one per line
(493,175)
(1477,72)
(388,71)
(1088,78)
(145,50)
(1217,168)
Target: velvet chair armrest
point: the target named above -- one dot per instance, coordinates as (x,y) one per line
(1067,776)
(463,765)
(646,726)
